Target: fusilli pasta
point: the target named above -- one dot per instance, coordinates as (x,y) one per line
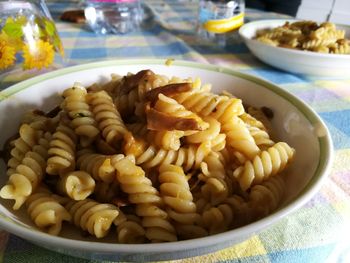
(177,197)
(152,158)
(46,211)
(130,232)
(264,165)
(107,116)
(78,185)
(306,35)
(97,165)
(62,150)
(78,110)
(29,173)
(141,192)
(28,137)
(94,217)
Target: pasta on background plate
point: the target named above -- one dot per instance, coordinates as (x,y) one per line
(146,158)
(306,35)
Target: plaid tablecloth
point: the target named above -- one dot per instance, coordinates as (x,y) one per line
(319,231)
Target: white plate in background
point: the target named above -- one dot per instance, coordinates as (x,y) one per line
(292,60)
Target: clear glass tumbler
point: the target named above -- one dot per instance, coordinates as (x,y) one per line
(29,41)
(113,16)
(218,18)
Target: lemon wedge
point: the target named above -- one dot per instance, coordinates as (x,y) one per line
(224,25)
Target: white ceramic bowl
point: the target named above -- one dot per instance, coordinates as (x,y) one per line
(293,122)
(295,61)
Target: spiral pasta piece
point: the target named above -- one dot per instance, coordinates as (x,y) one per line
(97,165)
(261,137)
(242,210)
(212,134)
(279,32)
(251,121)
(130,232)
(125,103)
(342,46)
(225,155)
(188,157)
(265,198)
(221,108)
(218,143)
(28,137)
(47,212)
(132,88)
(81,117)
(107,116)
(133,146)
(218,219)
(93,217)
(327,31)
(167,140)
(267,163)
(316,44)
(133,181)
(239,138)
(177,116)
(206,135)
(215,188)
(78,185)
(62,150)
(23,182)
(177,197)
(166,104)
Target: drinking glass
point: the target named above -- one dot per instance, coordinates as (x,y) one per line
(217,19)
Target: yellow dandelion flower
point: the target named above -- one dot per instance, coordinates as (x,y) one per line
(15,43)
(7,55)
(3,37)
(39,54)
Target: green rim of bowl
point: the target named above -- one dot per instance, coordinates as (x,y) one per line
(323,168)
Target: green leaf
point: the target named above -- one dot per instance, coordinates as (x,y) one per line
(42,33)
(21,20)
(56,42)
(40,26)
(39,21)
(13,29)
(50,27)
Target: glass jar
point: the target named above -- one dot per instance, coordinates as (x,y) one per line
(29,42)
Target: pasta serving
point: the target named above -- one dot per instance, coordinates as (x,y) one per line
(147,158)
(307,35)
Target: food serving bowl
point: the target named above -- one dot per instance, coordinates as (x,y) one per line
(293,122)
(292,60)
